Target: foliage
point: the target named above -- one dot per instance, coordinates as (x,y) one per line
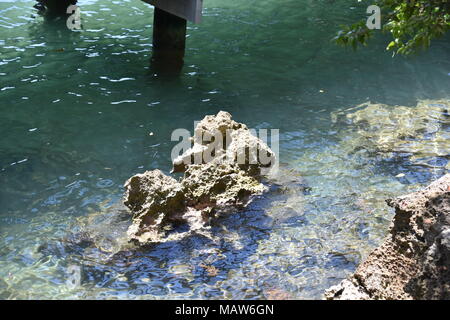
(411,23)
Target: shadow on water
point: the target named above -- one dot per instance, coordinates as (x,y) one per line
(178,267)
(193,265)
(409,172)
(53,27)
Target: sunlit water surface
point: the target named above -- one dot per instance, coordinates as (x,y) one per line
(82,111)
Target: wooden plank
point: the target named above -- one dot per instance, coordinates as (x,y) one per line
(190,10)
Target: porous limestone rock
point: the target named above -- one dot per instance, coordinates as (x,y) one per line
(205,140)
(155,199)
(249,152)
(211,125)
(227,181)
(414,260)
(217,135)
(219,184)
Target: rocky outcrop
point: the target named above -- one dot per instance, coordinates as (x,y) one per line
(219,135)
(155,200)
(221,174)
(414,260)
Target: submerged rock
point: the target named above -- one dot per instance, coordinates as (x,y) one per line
(420,133)
(221,174)
(414,260)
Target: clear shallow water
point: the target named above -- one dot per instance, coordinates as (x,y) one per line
(77,110)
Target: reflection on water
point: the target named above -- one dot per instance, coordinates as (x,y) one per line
(77,110)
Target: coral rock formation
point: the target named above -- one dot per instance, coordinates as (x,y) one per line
(222,182)
(414,260)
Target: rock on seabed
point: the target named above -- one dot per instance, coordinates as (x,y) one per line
(414,260)
(420,133)
(228,181)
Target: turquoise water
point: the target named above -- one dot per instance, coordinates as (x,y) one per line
(77,113)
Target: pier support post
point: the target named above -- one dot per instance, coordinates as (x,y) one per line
(54,7)
(169,42)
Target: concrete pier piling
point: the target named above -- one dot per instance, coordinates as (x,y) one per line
(54,7)
(169,32)
(169,28)
(169,42)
